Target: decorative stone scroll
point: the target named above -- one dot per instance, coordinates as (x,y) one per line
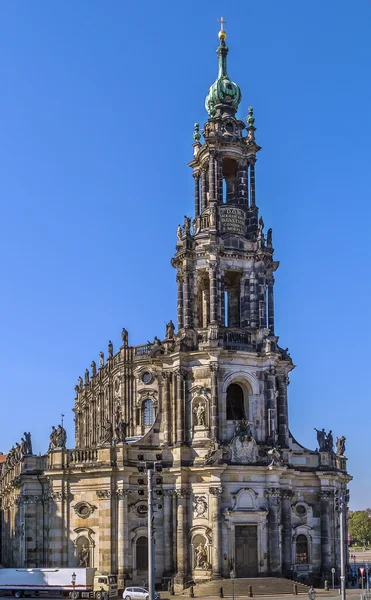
(199,506)
(183,493)
(121,493)
(273,493)
(216,491)
(104,494)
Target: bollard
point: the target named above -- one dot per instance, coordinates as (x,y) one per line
(295,591)
(250,591)
(326,585)
(191,594)
(221,595)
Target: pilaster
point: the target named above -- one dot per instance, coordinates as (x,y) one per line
(215,495)
(274,521)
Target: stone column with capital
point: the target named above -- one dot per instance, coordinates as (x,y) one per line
(203,190)
(286,533)
(166,376)
(274,538)
(262,301)
(187,300)
(254,312)
(196,177)
(215,495)
(326,498)
(270,305)
(214,432)
(168,533)
(270,396)
(180,410)
(252,181)
(182,534)
(212,163)
(243,188)
(179,280)
(219,179)
(213,292)
(282,406)
(123,541)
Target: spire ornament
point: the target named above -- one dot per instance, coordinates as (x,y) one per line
(250,120)
(223,91)
(196,132)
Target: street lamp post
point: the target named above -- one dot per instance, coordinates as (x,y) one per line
(341,501)
(367,568)
(233,575)
(151,468)
(73,581)
(333,577)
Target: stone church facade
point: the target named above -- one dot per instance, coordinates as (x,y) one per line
(237,491)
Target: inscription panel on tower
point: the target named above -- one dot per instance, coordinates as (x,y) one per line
(232,219)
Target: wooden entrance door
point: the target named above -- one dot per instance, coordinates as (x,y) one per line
(246,551)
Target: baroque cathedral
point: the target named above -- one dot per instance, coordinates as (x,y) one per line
(209,401)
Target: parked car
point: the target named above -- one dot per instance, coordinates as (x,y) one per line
(138,593)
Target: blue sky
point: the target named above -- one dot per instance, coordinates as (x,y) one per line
(97,107)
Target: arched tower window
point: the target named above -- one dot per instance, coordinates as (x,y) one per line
(301,549)
(148,413)
(235,403)
(142,554)
(230,169)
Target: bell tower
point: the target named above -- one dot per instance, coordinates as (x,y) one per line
(224,258)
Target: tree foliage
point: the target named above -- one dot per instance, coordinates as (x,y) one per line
(360,526)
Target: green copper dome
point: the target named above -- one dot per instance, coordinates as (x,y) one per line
(223,90)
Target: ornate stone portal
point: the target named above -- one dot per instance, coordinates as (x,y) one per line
(209,401)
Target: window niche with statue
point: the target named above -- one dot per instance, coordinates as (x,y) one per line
(200,417)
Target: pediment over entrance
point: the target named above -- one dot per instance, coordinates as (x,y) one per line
(245,499)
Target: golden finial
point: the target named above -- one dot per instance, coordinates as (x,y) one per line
(222,34)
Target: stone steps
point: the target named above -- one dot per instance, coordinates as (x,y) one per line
(261,586)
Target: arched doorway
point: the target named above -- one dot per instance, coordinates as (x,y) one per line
(301,550)
(142,554)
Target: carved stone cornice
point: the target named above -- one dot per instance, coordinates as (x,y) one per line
(216,491)
(28,499)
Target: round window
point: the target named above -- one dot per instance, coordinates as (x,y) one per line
(142,509)
(147,377)
(301,510)
(83,511)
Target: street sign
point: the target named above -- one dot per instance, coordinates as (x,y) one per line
(361,570)
(332,570)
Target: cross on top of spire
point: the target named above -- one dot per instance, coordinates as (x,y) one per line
(222,34)
(222,23)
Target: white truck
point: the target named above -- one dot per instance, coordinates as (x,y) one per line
(76,583)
